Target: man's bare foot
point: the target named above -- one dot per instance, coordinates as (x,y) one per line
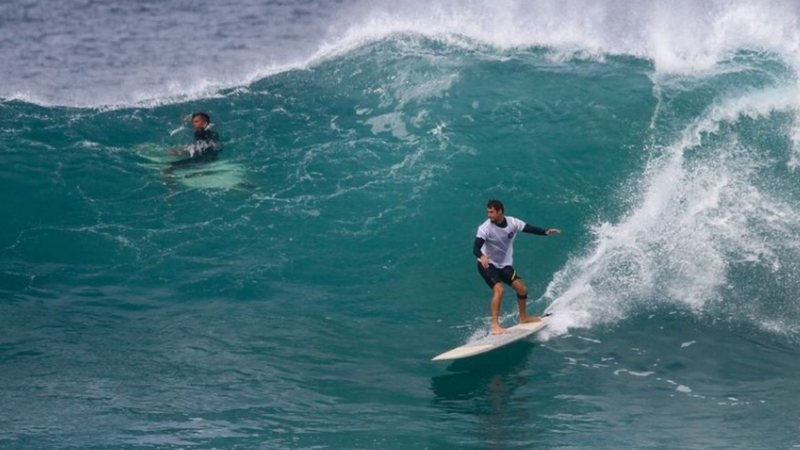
(530,319)
(497,329)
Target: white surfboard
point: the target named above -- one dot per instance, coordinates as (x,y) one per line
(493,341)
(219,174)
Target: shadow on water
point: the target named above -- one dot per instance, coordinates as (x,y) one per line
(476,376)
(484,389)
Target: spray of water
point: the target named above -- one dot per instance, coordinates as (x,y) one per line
(705,215)
(677,36)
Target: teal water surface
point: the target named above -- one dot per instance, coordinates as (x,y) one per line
(299,307)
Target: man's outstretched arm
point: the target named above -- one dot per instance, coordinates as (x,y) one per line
(539,230)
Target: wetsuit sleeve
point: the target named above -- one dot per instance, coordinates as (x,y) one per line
(205,141)
(476,247)
(213,138)
(534,230)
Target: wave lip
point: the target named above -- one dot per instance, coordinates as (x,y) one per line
(678,37)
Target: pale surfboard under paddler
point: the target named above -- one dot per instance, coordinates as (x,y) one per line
(219,174)
(493,341)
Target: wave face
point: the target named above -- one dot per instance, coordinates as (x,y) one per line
(290,294)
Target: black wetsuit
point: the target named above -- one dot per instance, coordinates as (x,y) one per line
(206,148)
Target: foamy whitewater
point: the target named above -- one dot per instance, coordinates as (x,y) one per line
(291,293)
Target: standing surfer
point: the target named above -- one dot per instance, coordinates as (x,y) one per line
(494,248)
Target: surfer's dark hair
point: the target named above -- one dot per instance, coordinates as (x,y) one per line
(203,115)
(496,205)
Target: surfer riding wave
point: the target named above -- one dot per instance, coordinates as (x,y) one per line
(494,248)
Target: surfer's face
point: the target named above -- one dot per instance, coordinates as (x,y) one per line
(199,123)
(494,215)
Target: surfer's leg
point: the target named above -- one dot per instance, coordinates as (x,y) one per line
(168,174)
(492,278)
(497,298)
(175,165)
(522,301)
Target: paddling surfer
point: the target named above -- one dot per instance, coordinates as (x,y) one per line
(494,248)
(206,145)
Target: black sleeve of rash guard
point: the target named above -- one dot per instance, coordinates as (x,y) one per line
(476,247)
(534,230)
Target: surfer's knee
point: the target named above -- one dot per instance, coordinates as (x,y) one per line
(498,288)
(521,289)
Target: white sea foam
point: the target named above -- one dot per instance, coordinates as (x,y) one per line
(700,209)
(633,373)
(677,36)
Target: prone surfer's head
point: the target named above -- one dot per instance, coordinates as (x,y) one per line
(200,120)
(495,211)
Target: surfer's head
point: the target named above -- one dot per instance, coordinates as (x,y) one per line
(200,120)
(495,211)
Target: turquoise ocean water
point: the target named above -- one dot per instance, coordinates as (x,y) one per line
(291,294)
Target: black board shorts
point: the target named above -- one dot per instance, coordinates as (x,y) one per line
(492,275)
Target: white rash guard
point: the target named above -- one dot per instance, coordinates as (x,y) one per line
(499,242)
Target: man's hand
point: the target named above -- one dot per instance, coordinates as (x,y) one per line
(552,231)
(485,261)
